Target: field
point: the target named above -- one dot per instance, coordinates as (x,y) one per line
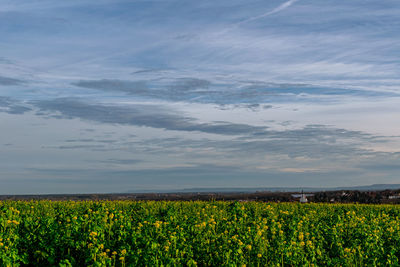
(128,233)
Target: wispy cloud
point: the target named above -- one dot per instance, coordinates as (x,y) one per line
(273,11)
(277,9)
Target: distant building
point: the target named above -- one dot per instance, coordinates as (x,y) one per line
(303,198)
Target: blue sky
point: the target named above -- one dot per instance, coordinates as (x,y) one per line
(116,96)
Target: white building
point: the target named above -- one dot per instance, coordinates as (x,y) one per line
(303,198)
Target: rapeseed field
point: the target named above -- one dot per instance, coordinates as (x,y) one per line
(129,233)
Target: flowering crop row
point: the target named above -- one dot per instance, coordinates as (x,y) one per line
(127,233)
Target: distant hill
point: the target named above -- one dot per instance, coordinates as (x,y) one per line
(374,187)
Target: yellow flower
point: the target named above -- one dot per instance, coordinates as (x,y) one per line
(114,253)
(248,247)
(301,236)
(123,252)
(259,255)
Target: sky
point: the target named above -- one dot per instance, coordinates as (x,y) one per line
(121,96)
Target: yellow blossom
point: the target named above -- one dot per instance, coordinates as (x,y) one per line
(301,236)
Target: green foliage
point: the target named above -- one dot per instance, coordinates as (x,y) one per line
(126,233)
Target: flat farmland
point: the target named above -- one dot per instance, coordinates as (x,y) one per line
(203,233)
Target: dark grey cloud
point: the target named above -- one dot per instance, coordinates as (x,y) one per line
(224,92)
(122,161)
(88,130)
(10,81)
(180,89)
(319,133)
(130,87)
(252,107)
(304,148)
(90,140)
(188,84)
(147,71)
(11,106)
(263,91)
(139,115)
(285,123)
(81,147)
(80,140)
(312,141)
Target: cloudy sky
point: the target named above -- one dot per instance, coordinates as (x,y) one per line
(117,96)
